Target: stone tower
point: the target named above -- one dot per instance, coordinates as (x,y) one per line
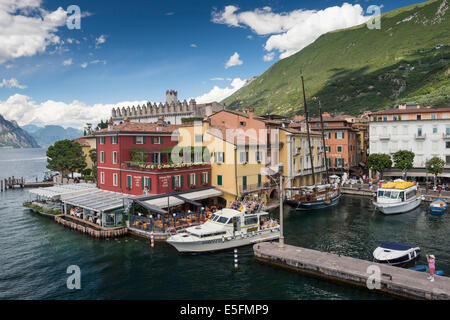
(171,97)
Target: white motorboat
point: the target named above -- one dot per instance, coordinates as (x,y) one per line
(397,197)
(394,253)
(227,228)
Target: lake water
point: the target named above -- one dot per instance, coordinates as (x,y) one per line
(35,253)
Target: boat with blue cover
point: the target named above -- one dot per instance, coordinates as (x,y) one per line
(394,253)
(438,207)
(424,268)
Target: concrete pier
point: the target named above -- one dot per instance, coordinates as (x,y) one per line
(396,281)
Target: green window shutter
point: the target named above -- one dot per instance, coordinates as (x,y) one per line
(189,180)
(259,180)
(111,139)
(335,135)
(149,183)
(134,140)
(208,176)
(143,139)
(215,156)
(153,140)
(181,181)
(201,178)
(143,183)
(173,182)
(129,181)
(246,156)
(219,180)
(343,135)
(244,182)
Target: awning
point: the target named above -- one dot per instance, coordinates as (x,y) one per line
(151,207)
(198,204)
(98,200)
(64,191)
(162,202)
(202,194)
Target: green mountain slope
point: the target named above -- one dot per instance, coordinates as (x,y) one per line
(358,69)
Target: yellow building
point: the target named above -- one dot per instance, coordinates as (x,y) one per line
(236,158)
(295,156)
(87,144)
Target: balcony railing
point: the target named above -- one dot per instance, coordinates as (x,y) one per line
(256,187)
(420,136)
(150,166)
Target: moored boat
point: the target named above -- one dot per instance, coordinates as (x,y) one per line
(424,268)
(394,253)
(438,207)
(314,197)
(397,197)
(225,229)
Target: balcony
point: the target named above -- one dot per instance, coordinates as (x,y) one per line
(255,187)
(422,136)
(309,171)
(384,136)
(150,166)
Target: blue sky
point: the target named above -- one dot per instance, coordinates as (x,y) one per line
(148,47)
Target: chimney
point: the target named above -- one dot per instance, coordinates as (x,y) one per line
(110,124)
(160,120)
(250,113)
(127,120)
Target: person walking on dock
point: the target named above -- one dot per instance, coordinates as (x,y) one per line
(431,266)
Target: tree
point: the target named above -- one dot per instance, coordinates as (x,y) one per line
(93,155)
(102,125)
(379,162)
(65,156)
(404,160)
(435,166)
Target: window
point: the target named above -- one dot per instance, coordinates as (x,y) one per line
(327,135)
(177,182)
(156,140)
(242,123)
(433,116)
(219,157)
(102,177)
(447,131)
(129,184)
(198,138)
(115,183)
(243,156)
(102,157)
(244,182)
(139,140)
(327,148)
(114,157)
(395,118)
(101,140)
(192,179)
(114,139)
(419,117)
(447,160)
(259,180)
(250,220)
(447,144)
(339,135)
(204,178)
(385,118)
(339,162)
(419,132)
(156,158)
(146,183)
(339,148)
(435,130)
(258,156)
(219,180)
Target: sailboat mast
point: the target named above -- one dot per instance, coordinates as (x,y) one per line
(323,142)
(307,132)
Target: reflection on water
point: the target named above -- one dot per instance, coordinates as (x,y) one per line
(35,253)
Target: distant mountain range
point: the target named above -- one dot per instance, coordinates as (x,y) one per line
(12,136)
(49,134)
(358,69)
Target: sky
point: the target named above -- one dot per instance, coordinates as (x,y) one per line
(129,52)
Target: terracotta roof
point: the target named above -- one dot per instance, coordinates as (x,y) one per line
(82,141)
(140,127)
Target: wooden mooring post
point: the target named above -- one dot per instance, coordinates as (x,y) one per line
(11,183)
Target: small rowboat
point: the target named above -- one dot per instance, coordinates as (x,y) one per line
(424,268)
(437,207)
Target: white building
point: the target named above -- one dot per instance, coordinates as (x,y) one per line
(424,131)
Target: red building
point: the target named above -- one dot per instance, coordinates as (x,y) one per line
(151,170)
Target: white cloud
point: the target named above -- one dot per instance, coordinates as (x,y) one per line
(269,56)
(98,61)
(233,61)
(218,94)
(26,28)
(11,83)
(75,114)
(67,62)
(100,40)
(193,45)
(292,31)
(217,79)
(84,65)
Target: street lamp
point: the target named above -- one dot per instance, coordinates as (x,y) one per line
(281,240)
